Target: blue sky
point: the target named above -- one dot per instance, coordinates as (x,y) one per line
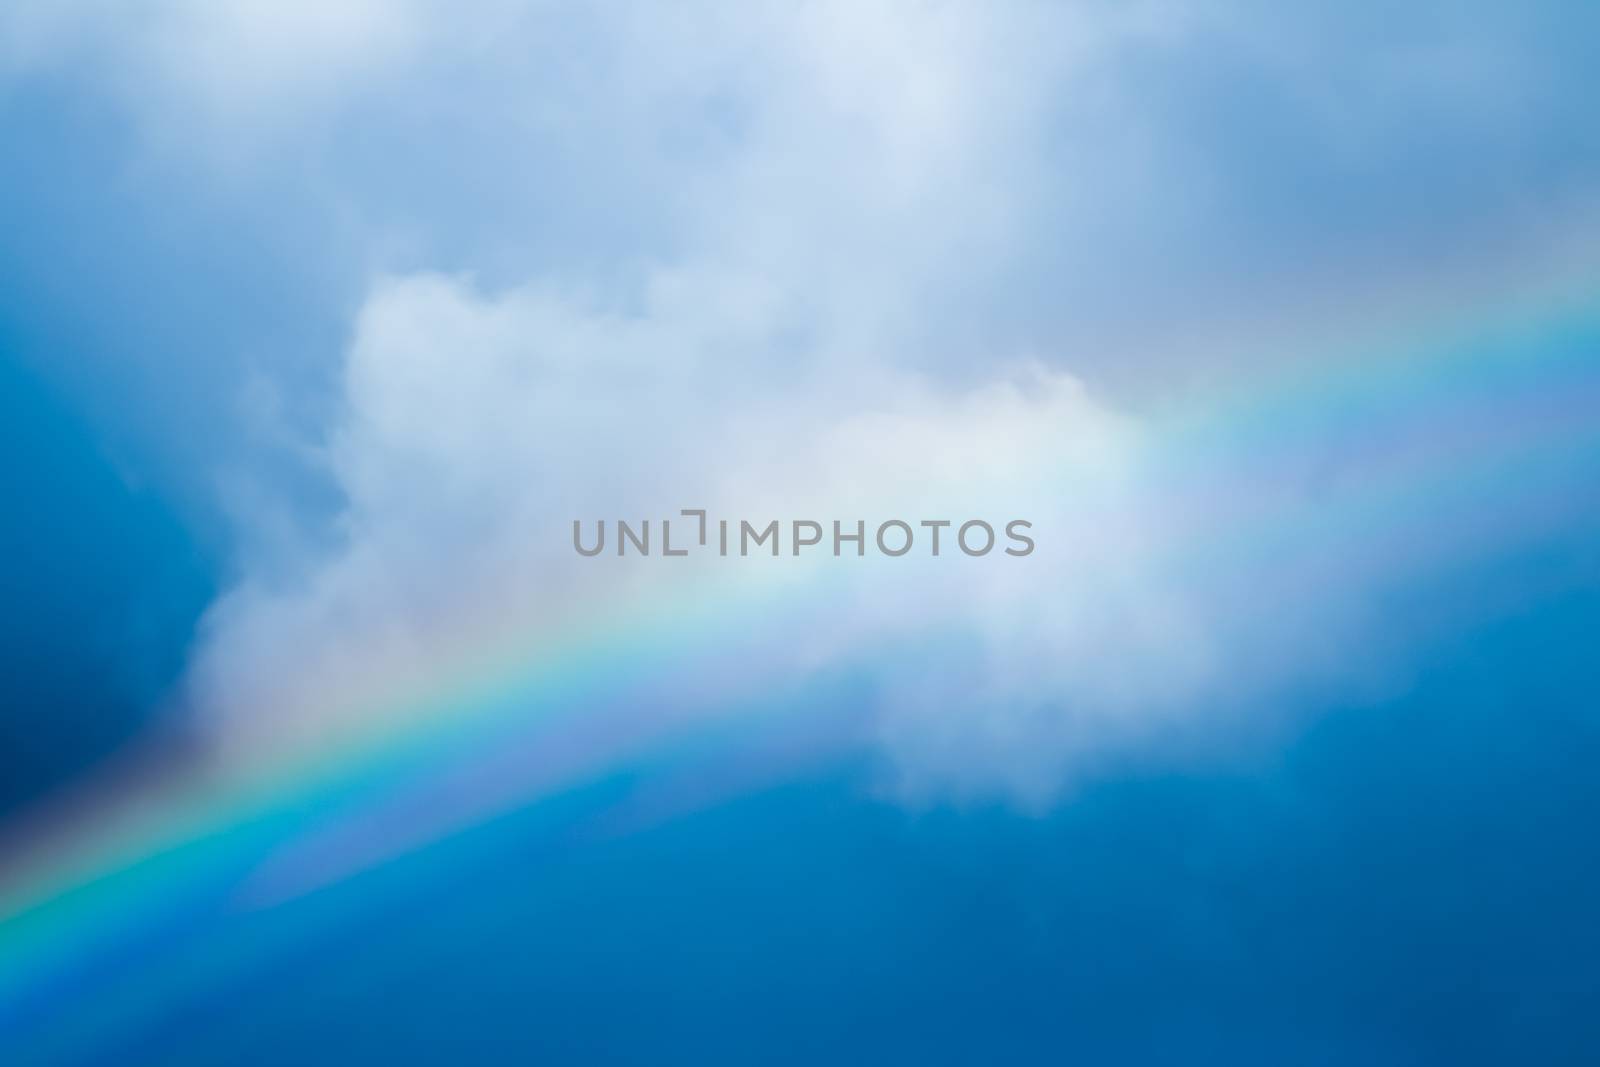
(320,323)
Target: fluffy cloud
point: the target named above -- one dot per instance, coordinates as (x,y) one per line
(476,427)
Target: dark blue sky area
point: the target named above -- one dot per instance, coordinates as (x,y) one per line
(99,593)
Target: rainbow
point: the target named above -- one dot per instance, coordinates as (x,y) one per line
(1497,404)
